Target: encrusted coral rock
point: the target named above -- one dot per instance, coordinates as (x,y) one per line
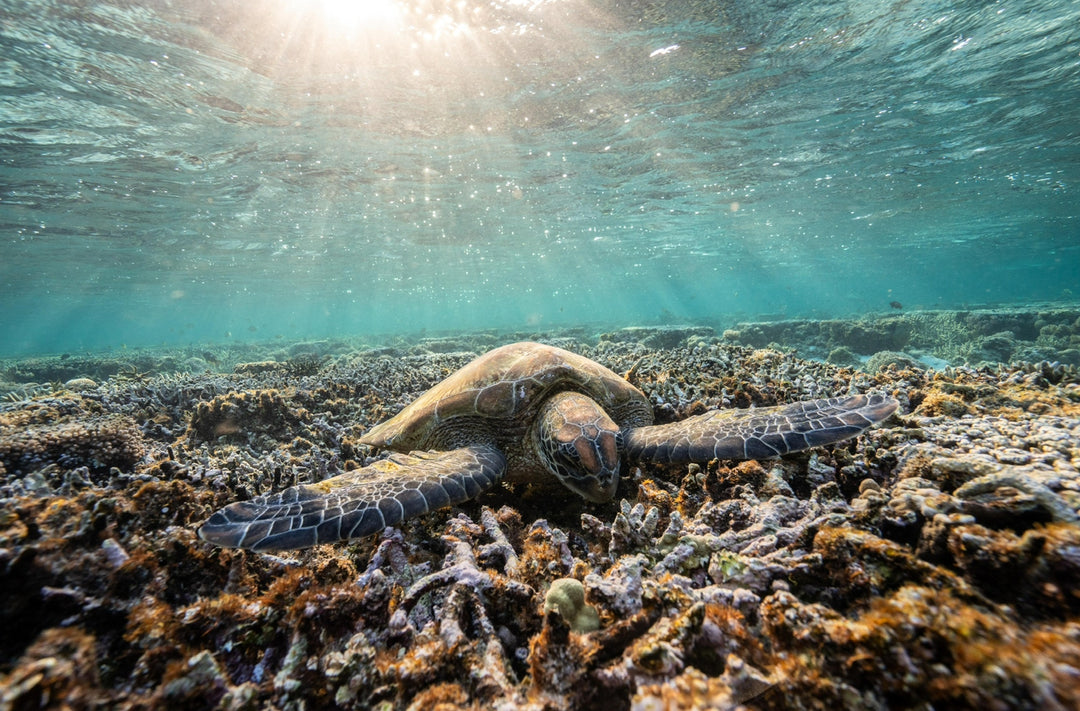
(886,359)
(246,413)
(843,355)
(60,667)
(97,443)
(693,690)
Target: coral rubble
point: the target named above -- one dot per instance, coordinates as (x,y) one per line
(932,562)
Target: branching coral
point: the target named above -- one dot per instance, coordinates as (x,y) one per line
(930,561)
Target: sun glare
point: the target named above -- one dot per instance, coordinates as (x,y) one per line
(356,14)
(422,46)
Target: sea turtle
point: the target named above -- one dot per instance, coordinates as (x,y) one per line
(523,412)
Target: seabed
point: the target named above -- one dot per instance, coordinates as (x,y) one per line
(930,563)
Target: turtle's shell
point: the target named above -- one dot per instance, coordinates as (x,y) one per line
(497,395)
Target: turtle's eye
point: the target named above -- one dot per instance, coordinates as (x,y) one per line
(564,460)
(568,460)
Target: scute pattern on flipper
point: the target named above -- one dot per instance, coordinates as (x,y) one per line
(357,503)
(759,433)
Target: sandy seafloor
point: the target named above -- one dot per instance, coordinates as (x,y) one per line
(933,562)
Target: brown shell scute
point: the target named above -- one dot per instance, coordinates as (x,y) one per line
(507,383)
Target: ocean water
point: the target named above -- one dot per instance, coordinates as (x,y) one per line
(191,171)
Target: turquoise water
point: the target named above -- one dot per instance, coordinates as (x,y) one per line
(196,171)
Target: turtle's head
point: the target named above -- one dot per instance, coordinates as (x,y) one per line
(580,445)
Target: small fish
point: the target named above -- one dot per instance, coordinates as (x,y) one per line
(896,304)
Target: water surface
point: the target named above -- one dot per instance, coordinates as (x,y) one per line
(197,171)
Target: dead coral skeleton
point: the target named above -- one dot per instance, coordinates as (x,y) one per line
(467,582)
(1010,488)
(709,586)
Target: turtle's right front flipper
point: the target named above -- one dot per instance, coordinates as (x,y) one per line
(758,433)
(357,503)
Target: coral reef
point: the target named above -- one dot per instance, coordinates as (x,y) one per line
(891,359)
(930,562)
(240,413)
(958,337)
(66,434)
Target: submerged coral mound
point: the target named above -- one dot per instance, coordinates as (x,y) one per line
(972,337)
(932,562)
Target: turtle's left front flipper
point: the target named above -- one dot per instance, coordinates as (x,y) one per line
(357,503)
(758,433)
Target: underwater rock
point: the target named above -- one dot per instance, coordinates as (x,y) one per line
(1037,572)
(888,654)
(96,442)
(245,413)
(1007,494)
(258,367)
(694,690)
(953,336)
(80,385)
(842,355)
(199,682)
(444,345)
(660,337)
(885,359)
(995,348)
(61,668)
(938,402)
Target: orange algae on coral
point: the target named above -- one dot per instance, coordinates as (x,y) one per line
(919,645)
(795,573)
